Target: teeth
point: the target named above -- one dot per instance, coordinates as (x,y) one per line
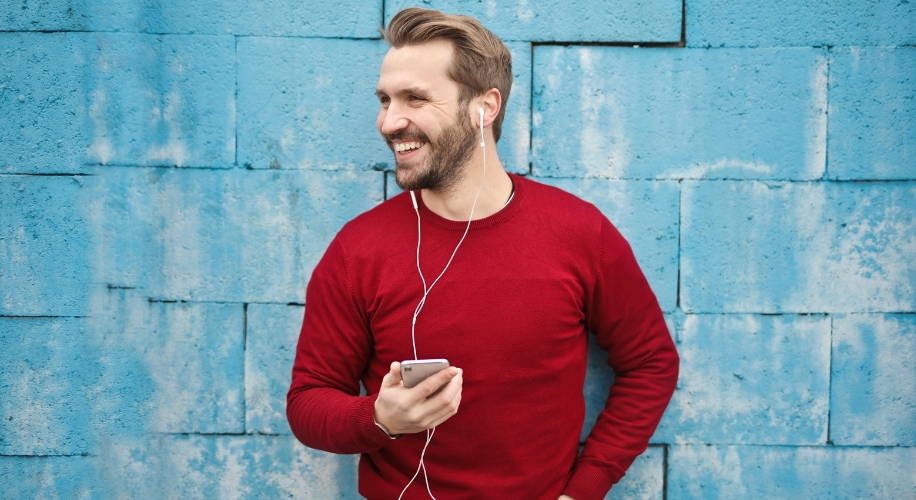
(406,146)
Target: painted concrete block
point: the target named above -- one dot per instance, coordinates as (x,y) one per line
(44,245)
(195,355)
(647,214)
(301,106)
(273,332)
(42,126)
(872,113)
(210,235)
(626,112)
(644,479)
(751,380)
(798,247)
(45,377)
(790,472)
(186,359)
(228,467)
(873,376)
(161,100)
(50,477)
(348,18)
(720,23)
(578,20)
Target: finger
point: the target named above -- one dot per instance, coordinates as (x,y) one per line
(445,402)
(426,388)
(447,413)
(453,387)
(393,377)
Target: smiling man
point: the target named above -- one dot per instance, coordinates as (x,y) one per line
(502,276)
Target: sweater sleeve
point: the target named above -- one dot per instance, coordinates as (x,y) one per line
(624,314)
(323,405)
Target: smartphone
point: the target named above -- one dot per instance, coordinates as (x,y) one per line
(414,371)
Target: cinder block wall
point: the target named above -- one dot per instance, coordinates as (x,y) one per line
(171,171)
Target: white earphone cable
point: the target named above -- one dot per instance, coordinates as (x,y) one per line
(413,322)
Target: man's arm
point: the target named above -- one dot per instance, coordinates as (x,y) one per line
(624,313)
(323,405)
(324,408)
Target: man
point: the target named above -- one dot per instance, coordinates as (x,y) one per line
(498,274)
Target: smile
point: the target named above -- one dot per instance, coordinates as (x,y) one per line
(407,146)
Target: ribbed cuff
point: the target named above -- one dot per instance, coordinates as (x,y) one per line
(590,482)
(362,424)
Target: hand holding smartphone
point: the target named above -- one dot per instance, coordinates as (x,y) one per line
(414,371)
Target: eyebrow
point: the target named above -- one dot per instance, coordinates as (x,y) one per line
(409,90)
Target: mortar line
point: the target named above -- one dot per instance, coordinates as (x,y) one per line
(531,114)
(176,33)
(62,455)
(633,43)
(244,370)
(384,185)
(665,472)
(830,383)
(39,316)
(680,225)
(44,174)
(683,23)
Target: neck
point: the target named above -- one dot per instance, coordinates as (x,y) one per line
(455,202)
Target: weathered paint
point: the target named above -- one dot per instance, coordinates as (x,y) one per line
(624,112)
(872,380)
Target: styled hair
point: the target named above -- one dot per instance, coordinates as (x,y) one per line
(481,60)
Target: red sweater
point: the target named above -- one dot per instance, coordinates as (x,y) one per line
(513,311)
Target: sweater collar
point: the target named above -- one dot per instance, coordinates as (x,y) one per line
(505,213)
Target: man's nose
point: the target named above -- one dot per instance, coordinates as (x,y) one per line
(392,119)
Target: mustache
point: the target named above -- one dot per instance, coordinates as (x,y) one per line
(406,135)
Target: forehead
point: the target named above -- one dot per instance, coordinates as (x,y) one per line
(424,66)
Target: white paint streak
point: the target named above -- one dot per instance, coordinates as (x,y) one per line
(603,145)
(231,128)
(705,170)
(174,150)
(101,148)
(523,11)
(862,267)
(816,123)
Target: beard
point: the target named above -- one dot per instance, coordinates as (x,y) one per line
(447,157)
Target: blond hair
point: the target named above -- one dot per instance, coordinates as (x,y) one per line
(481,60)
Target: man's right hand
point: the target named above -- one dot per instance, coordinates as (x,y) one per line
(405,411)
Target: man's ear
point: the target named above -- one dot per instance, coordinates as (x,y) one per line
(491,101)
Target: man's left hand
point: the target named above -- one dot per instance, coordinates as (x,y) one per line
(565,497)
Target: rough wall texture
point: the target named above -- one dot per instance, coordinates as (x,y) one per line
(171,171)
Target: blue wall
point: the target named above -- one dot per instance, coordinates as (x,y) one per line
(171,171)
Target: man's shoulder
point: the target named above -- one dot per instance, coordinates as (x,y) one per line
(379,219)
(561,203)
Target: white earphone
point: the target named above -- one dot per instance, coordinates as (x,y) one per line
(426,290)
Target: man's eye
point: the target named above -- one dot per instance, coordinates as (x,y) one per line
(416,98)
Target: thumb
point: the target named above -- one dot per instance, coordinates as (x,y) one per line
(393,377)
